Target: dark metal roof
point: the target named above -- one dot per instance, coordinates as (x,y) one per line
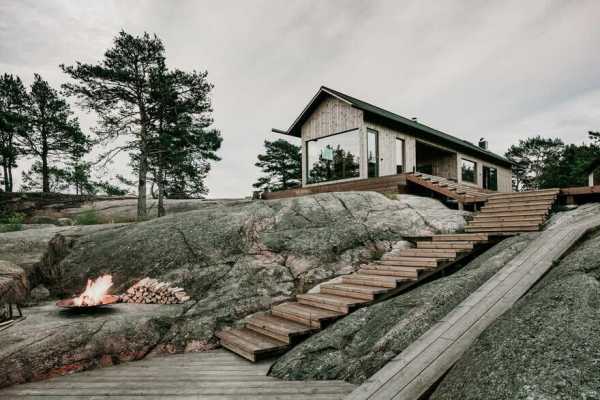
(385,117)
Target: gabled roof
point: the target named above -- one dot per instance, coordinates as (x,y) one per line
(386,117)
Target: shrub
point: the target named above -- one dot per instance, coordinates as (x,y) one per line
(12,222)
(88,217)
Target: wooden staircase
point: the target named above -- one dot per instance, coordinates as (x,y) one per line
(512,213)
(285,324)
(462,193)
(277,330)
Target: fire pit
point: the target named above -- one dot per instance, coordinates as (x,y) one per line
(93,296)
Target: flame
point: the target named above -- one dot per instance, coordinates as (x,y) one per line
(94,291)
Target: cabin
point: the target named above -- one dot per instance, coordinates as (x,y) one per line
(348,142)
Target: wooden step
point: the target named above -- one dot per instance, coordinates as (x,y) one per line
(410,261)
(304,314)
(532,193)
(502,200)
(508,218)
(512,213)
(329,301)
(351,290)
(249,344)
(494,223)
(371,280)
(433,253)
(460,237)
(512,205)
(445,245)
(387,270)
(503,230)
(276,327)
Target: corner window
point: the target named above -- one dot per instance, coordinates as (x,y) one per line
(372,153)
(333,157)
(468,171)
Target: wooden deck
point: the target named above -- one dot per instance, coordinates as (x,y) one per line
(216,375)
(410,374)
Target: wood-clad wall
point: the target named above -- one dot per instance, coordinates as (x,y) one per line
(387,149)
(504,174)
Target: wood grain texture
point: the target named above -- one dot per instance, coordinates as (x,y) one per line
(211,375)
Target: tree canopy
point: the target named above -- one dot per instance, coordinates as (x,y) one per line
(281,166)
(13,121)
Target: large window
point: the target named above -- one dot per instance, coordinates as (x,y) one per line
(372,153)
(333,157)
(468,171)
(399,156)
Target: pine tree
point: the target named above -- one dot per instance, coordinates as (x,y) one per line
(531,156)
(281,164)
(118,90)
(52,133)
(13,120)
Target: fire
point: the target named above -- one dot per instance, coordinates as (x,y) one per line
(94,291)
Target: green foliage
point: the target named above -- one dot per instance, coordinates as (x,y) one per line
(11,222)
(88,217)
(532,156)
(74,176)
(13,104)
(51,133)
(549,163)
(281,165)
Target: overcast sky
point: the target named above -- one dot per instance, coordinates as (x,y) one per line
(502,70)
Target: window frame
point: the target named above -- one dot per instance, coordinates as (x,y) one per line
(462,178)
(376,133)
(307,155)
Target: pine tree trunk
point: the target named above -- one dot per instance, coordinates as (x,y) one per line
(5,175)
(45,178)
(143,173)
(161,188)
(10,178)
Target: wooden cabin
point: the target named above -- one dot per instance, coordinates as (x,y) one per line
(345,139)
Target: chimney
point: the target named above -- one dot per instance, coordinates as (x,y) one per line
(415,119)
(483,143)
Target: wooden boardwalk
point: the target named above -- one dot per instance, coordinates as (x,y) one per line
(216,375)
(410,374)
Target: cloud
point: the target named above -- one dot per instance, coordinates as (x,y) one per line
(501,70)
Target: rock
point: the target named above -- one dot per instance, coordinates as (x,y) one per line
(548,345)
(233,258)
(357,346)
(42,219)
(52,341)
(14,285)
(64,222)
(125,210)
(39,293)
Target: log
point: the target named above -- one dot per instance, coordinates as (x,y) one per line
(153,291)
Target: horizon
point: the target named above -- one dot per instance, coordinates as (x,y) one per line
(513,70)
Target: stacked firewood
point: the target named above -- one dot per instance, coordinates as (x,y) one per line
(152,291)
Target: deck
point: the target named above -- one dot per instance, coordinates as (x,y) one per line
(215,375)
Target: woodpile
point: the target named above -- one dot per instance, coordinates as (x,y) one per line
(152,291)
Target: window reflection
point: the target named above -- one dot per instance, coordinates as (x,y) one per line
(333,157)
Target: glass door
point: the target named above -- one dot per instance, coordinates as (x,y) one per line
(399,156)
(490,178)
(372,153)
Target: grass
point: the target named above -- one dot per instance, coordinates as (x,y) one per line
(12,222)
(88,217)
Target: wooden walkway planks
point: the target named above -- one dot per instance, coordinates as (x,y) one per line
(211,375)
(419,366)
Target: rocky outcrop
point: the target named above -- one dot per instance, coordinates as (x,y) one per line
(548,345)
(233,258)
(14,285)
(357,346)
